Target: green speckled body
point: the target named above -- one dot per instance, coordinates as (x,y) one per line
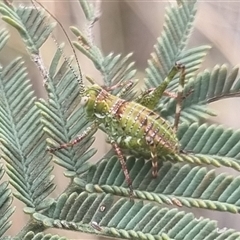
(133,126)
(130,124)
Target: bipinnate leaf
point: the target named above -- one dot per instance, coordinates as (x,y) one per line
(176,184)
(206,87)
(3,38)
(6,210)
(30,23)
(115,69)
(88,204)
(125,219)
(210,139)
(64,119)
(170,46)
(42,236)
(22,137)
(210,144)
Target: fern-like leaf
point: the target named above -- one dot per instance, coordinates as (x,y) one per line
(30,23)
(114,69)
(128,219)
(42,236)
(3,38)
(182,185)
(22,138)
(169,48)
(5,205)
(61,115)
(210,140)
(23,141)
(63,118)
(208,145)
(207,87)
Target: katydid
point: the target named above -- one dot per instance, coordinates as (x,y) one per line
(131,125)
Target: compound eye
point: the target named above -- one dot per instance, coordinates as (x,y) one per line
(84,101)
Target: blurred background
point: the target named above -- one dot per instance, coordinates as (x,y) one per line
(133,26)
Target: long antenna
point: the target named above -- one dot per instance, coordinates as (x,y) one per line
(80,77)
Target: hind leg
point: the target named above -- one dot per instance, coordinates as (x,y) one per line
(123,165)
(179,96)
(154,164)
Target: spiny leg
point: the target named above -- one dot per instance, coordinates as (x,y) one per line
(115,86)
(150,142)
(124,166)
(179,95)
(175,95)
(78,139)
(126,86)
(154,164)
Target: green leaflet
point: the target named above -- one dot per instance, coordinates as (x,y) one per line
(171,44)
(187,185)
(115,69)
(191,58)
(42,236)
(3,38)
(63,118)
(30,23)
(22,137)
(88,10)
(208,86)
(127,219)
(6,210)
(170,48)
(210,139)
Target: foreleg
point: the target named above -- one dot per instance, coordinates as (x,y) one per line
(78,139)
(125,87)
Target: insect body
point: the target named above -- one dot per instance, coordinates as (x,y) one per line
(129,124)
(133,126)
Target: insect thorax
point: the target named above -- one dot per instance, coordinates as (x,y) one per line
(97,102)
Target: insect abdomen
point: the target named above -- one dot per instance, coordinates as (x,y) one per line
(144,129)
